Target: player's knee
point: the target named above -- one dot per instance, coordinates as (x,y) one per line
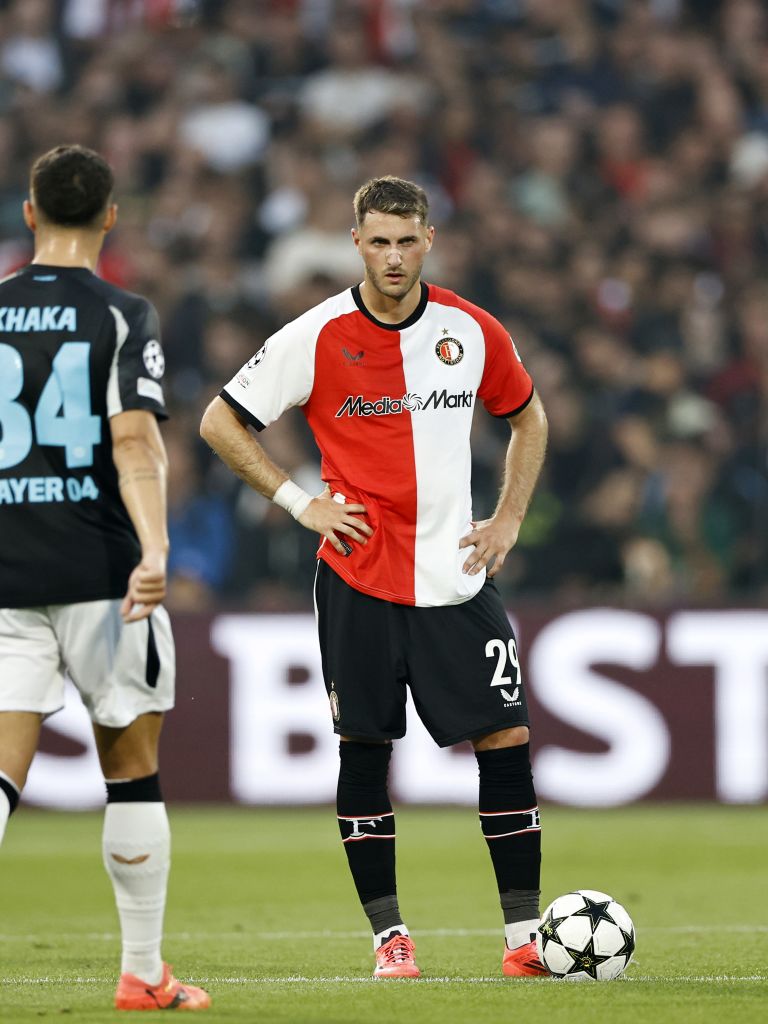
(364,764)
(362,801)
(130,764)
(130,752)
(515,737)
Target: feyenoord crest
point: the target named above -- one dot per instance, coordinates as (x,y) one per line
(449,351)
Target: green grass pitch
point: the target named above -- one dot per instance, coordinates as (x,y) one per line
(263,914)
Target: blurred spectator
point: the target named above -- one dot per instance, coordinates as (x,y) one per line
(200,529)
(31,54)
(273,550)
(686,514)
(228,132)
(355,92)
(321,245)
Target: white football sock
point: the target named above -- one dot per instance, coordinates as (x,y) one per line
(137,855)
(381,937)
(519,933)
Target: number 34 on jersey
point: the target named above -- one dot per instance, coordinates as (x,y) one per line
(62,418)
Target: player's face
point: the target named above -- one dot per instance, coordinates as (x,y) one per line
(393,250)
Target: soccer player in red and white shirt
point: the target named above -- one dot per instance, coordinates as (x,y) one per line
(388,374)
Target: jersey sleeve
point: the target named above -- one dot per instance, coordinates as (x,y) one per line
(505,388)
(278,377)
(138,364)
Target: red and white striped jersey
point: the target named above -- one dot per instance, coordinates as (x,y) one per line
(390,406)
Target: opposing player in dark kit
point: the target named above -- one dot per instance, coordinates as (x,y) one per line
(388,374)
(84,542)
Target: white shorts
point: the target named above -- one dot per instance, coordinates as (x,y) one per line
(120,670)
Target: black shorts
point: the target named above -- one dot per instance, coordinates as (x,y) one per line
(459,660)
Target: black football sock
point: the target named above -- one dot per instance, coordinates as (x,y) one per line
(384,915)
(9,801)
(509,817)
(367,826)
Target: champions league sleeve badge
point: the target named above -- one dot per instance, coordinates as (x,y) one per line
(255,360)
(154,360)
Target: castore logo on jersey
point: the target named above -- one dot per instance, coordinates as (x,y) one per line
(354,405)
(352,357)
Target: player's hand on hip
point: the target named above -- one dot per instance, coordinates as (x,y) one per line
(337,522)
(491,540)
(146,588)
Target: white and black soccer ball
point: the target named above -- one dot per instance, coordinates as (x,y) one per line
(585,936)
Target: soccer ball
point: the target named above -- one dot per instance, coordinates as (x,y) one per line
(585,936)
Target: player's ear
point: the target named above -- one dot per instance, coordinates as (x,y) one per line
(356,238)
(430,237)
(29,215)
(109,218)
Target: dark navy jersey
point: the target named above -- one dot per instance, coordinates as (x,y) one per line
(74,351)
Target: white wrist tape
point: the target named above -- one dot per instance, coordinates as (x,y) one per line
(292,498)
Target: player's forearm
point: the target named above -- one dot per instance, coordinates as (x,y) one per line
(237,448)
(142,476)
(525,457)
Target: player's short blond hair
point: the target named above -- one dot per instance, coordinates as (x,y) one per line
(391,195)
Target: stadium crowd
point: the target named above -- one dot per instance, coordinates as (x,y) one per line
(598,173)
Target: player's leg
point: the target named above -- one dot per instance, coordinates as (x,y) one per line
(367,826)
(367,701)
(125,676)
(19,736)
(466,684)
(509,817)
(31,687)
(136,840)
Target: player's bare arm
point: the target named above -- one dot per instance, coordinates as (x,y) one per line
(139,456)
(493,538)
(229,437)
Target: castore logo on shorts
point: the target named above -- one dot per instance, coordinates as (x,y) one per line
(355,405)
